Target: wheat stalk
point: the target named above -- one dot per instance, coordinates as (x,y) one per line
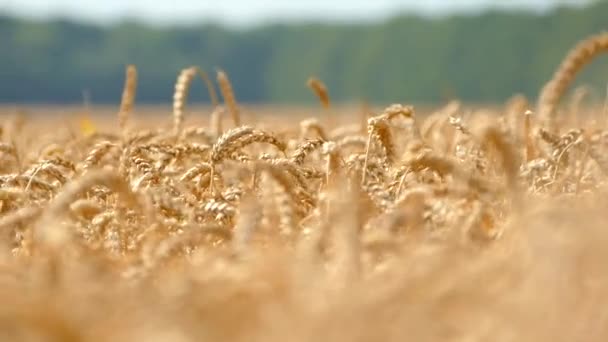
(229,97)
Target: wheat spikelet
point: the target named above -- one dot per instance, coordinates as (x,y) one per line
(220,211)
(227,139)
(97,153)
(459,125)
(59,162)
(319,88)
(195,171)
(48,169)
(128,97)
(379,134)
(236,139)
(260,137)
(180,97)
(549,137)
(229,98)
(177,153)
(304,149)
(574,61)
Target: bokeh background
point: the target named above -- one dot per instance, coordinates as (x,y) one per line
(381,51)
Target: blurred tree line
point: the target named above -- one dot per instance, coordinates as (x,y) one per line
(485,57)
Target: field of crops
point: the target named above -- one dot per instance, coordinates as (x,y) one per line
(460,225)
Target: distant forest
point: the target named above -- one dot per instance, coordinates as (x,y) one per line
(485,57)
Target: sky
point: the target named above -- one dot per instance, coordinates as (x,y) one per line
(254,12)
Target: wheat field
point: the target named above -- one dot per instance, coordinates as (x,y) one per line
(461,225)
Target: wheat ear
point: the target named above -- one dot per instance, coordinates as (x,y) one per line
(319,88)
(180,97)
(210,88)
(574,61)
(128,97)
(229,98)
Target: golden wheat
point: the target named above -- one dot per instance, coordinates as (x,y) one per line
(458,225)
